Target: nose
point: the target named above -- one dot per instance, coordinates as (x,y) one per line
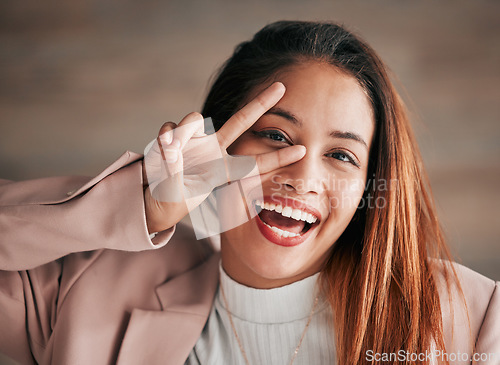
(307,175)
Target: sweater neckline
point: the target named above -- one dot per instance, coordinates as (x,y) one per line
(287,303)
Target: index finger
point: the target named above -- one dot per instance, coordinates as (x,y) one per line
(249,114)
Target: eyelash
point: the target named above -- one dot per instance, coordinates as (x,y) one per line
(347,158)
(270,132)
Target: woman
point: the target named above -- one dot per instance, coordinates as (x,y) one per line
(341,259)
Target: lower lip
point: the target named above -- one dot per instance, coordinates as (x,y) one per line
(280,240)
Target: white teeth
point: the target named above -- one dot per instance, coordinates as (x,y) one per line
(288,212)
(282,233)
(310,218)
(296,214)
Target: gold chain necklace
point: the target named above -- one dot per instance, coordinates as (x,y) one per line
(238,337)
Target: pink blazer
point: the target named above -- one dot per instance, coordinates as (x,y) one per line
(81,282)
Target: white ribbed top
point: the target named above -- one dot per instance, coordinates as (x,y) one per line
(270,323)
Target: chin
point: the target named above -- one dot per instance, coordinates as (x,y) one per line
(270,267)
(285,241)
(251,259)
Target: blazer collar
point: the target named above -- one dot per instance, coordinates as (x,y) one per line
(168,336)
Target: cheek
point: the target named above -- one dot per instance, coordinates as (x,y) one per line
(235,202)
(232,201)
(248,144)
(344,197)
(241,146)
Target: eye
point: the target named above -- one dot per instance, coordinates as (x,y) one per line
(343,157)
(272,134)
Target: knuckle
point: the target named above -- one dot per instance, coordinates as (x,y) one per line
(167,126)
(279,158)
(261,102)
(240,117)
(193,117)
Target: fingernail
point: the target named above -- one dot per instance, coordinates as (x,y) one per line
(302,149)
(166,138)
(278,85)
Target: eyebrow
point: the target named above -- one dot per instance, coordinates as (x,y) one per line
(284,114)
(294,120)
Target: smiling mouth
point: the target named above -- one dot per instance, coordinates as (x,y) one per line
(285,221)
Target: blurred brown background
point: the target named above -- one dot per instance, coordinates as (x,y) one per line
(82,81)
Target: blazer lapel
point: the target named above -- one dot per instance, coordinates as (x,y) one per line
(167,337)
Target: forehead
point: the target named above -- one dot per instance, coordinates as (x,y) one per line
(325,98)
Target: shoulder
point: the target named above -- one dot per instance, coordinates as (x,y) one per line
(54,190)
(472,318)
(477,289)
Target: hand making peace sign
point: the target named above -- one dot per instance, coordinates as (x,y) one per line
(183,165)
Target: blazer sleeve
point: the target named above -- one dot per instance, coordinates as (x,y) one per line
(488,341)
(45,219)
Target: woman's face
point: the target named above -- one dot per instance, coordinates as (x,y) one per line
(328,112)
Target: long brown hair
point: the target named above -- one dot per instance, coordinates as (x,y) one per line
(381,265)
